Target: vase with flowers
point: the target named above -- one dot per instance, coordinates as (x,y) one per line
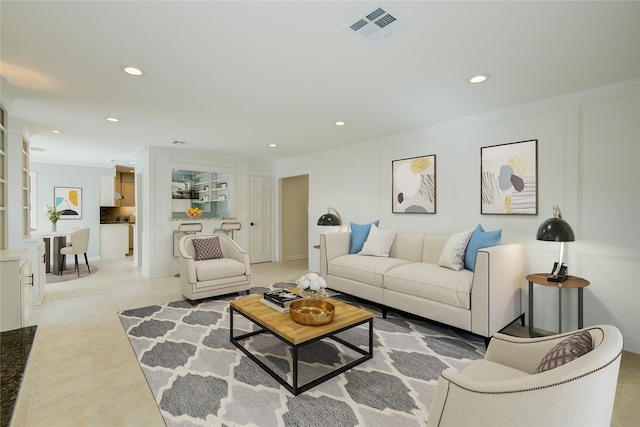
(53,215)
(311,286)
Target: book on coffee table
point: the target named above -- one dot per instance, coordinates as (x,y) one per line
(281,297)
(274,306)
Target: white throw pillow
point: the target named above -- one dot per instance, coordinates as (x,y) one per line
(378,242)
(453,253)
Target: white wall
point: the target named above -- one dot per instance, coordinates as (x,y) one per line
(49,175)
(588,153)
(154,218)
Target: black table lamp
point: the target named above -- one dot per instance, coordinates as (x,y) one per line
(557,229)
(330,219)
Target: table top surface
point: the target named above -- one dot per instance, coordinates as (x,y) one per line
(281,323)
(571,282)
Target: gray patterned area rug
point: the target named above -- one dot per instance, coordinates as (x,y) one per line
(198,378)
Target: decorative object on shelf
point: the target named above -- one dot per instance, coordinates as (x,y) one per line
(118,217)
(414,185)
(311,286)
(312,312)
(329,219)
(194,212)
(557,229)
(68,200)
(53,215)
(509,178)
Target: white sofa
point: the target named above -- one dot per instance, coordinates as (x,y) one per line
(213,277)
(482,302)
(503,389)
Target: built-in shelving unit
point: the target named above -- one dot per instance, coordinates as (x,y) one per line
(3,181)
(26,198)
(210,191)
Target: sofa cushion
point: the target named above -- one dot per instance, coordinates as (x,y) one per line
(221,268)
(378,242)
(570,348)
(207,248)
(408,246)
(480,239)
(432,282)
(485,370)
(453,253)
(359,234)
(363,268)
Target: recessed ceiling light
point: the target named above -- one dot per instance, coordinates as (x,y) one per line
(132,71)
(340,123)
(113,119)
(37,148)
(478,79)
(273,145)
(56,131)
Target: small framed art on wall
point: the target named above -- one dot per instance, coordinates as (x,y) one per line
(509,178)
(414,185)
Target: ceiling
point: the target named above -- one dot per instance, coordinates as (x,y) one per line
(235,76)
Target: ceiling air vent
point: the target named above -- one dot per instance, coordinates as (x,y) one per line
(377,23)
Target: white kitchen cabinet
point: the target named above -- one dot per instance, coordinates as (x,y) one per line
(16,281)
(114,240)
(107,191)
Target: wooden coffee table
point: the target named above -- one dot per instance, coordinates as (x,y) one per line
(296,335)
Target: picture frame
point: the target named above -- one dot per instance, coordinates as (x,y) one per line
(414,185)
(69,201)
(509,178)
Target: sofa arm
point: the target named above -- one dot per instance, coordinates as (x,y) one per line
(332,245)
(497,282)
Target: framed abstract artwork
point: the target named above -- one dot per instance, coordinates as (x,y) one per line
(69,201)
(414,185)
(509,178)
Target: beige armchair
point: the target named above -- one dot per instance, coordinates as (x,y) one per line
(216,276)
(504,390)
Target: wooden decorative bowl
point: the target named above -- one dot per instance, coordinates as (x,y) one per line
(312,312)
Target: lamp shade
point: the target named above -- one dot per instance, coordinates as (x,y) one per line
(555,230)
(328,219)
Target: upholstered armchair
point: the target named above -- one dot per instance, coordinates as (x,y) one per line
(212,265)
(504,389)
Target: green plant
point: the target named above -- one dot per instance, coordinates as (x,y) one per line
(53,214)
(117,218)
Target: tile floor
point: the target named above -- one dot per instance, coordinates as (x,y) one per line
(82,371)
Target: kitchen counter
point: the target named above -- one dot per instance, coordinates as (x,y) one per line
(114,240)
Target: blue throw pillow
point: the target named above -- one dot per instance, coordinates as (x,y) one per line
(480,239)
(359,234)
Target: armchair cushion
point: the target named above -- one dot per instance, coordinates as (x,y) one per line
(207,248)
(565,351)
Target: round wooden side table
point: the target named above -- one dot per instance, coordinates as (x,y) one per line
(571,282)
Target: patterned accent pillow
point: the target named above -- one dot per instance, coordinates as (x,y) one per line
(207,248)
(359,234)
(452,255)
(378,242)
(570,348)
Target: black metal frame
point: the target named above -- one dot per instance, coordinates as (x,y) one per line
(294,388)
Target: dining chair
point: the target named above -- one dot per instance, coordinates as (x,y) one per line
(79,245)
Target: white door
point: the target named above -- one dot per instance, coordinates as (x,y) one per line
(261,219)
